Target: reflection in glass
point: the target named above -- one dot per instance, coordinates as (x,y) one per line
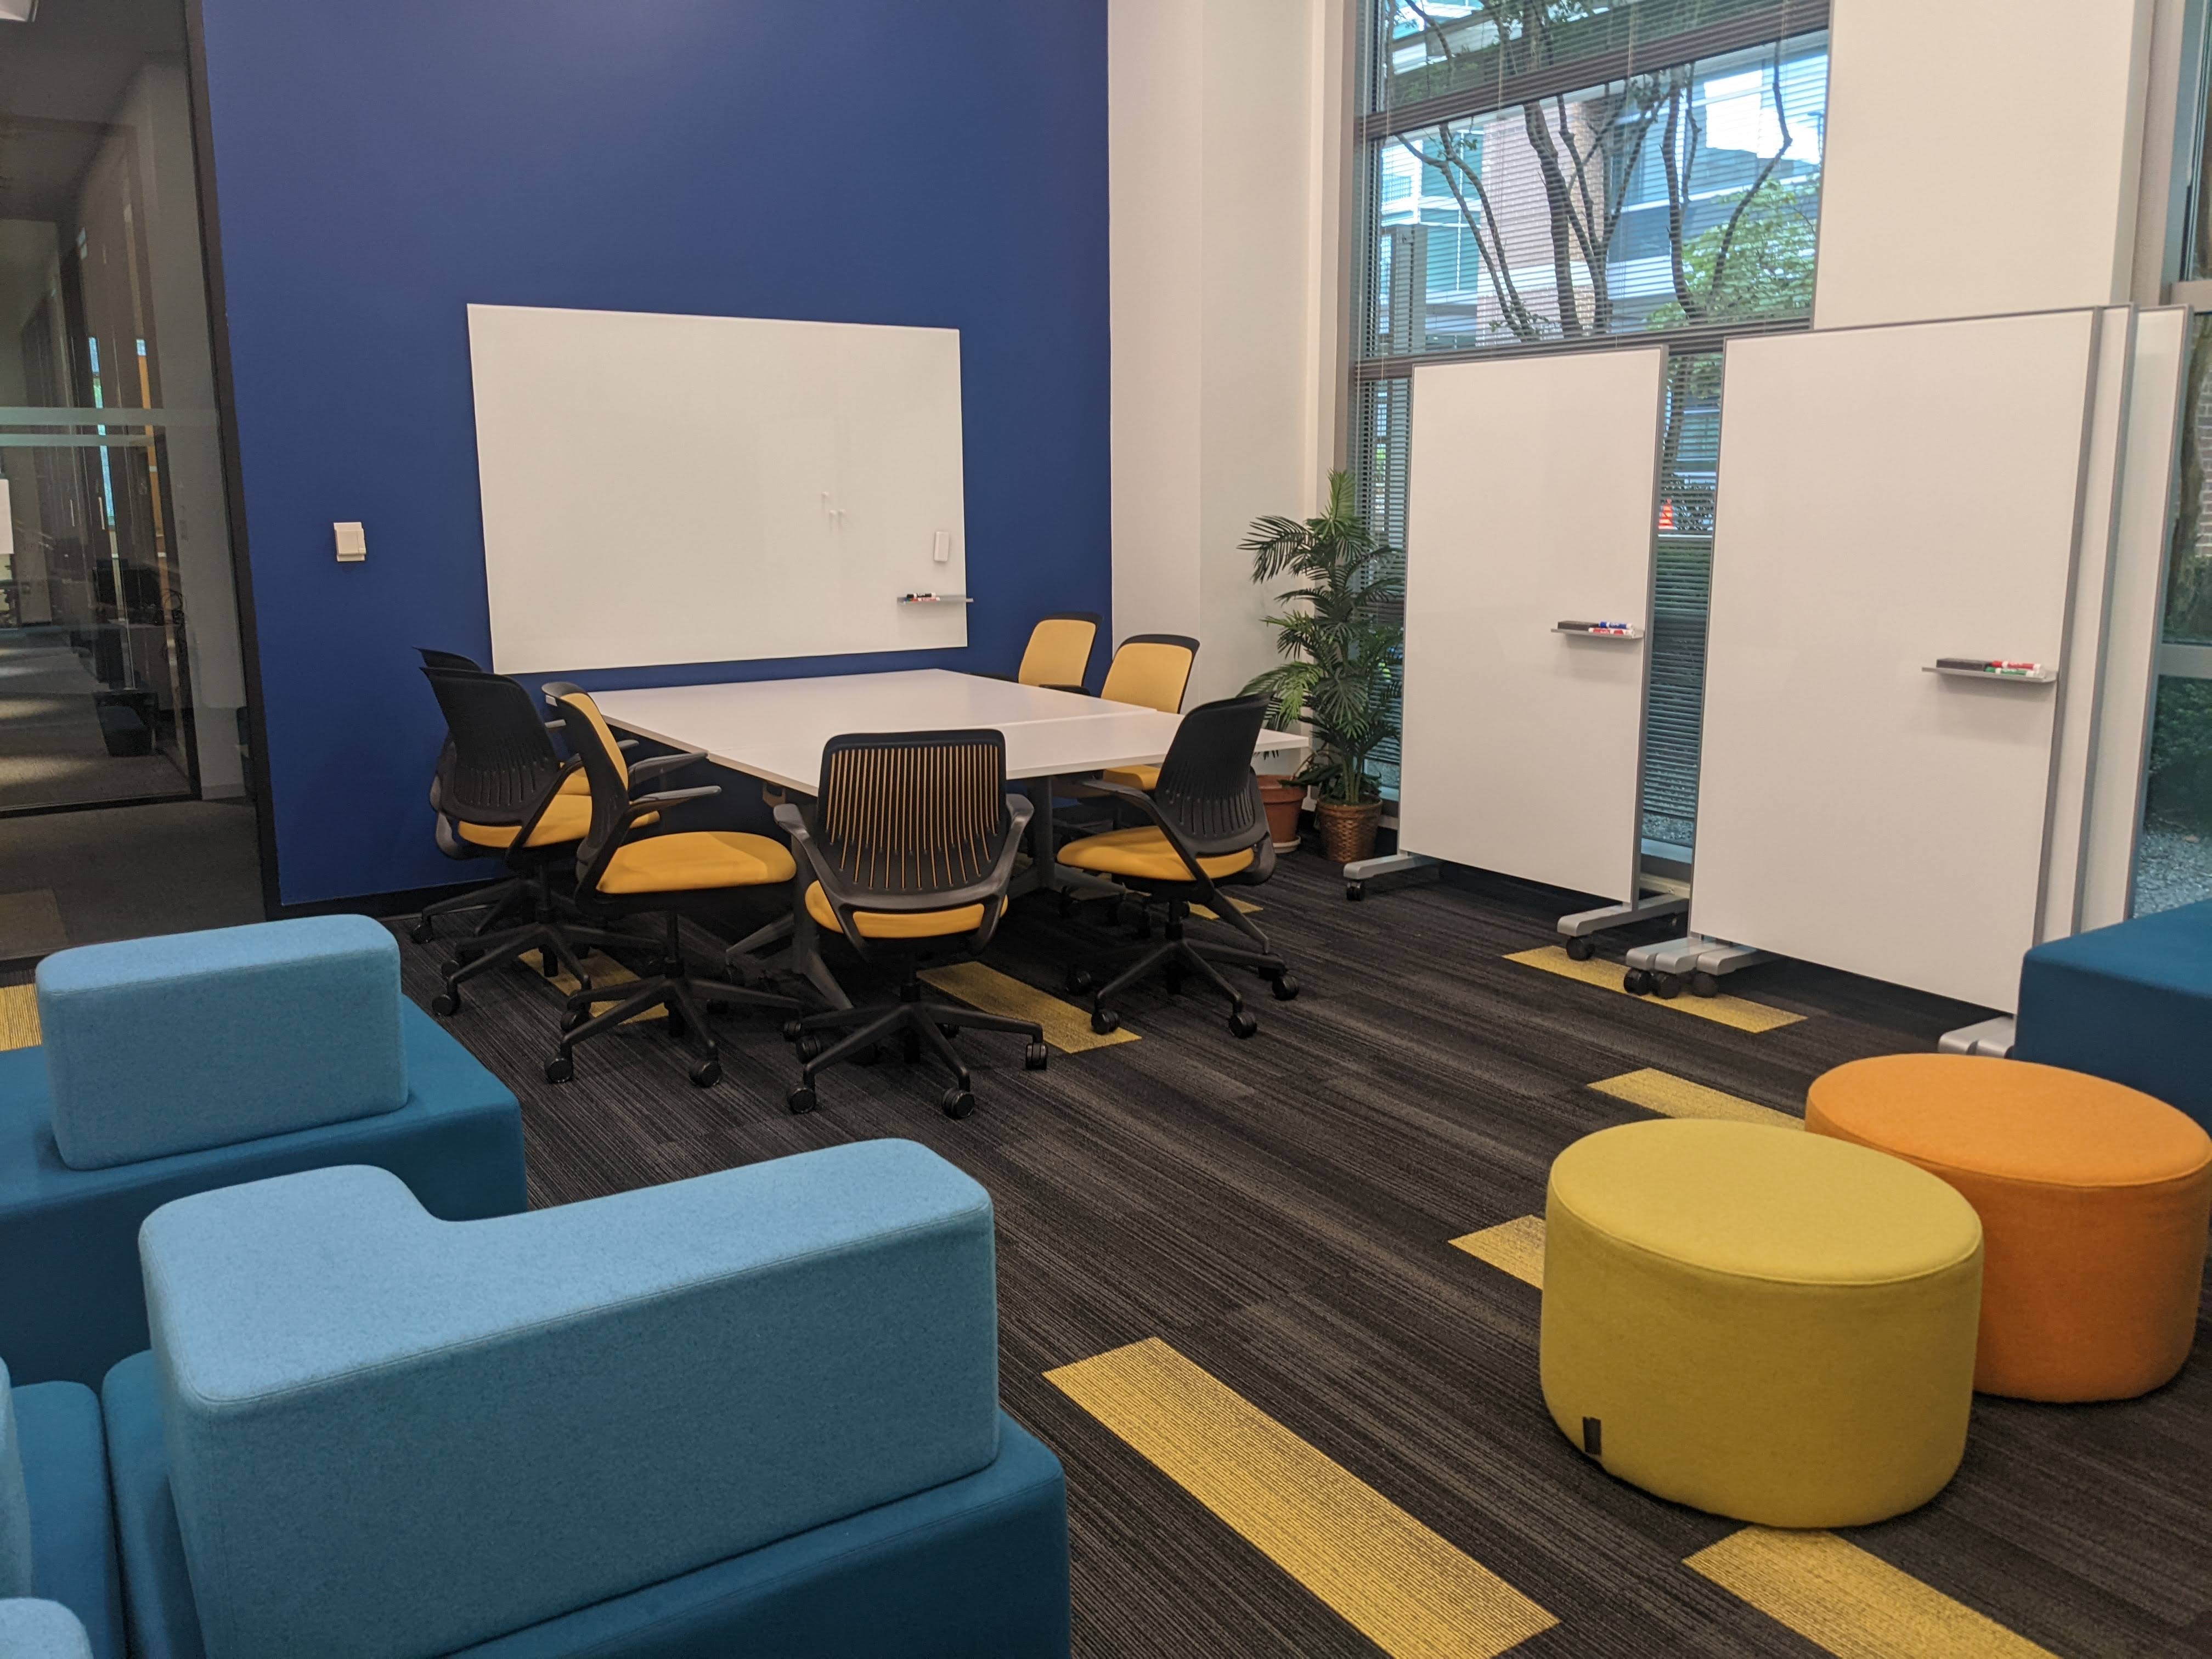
(2173,859)
(120,674)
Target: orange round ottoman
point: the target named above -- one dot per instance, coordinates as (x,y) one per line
(2095,1201)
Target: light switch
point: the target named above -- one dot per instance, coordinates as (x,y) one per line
(940,548)
(353,543)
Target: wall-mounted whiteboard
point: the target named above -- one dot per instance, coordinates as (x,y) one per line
(1888,497)
(1530,502)
(668,489)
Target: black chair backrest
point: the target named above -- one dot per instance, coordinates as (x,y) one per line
(447,659)
(1207,789)
(592,741)
(503,761)
(913,811)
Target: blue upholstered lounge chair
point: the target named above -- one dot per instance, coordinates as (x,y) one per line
(173,1065)
(57,1530)
(754,1412)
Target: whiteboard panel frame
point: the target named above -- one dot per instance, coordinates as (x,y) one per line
(660,488)
(2150,482)
(1529,764)
(1756,884)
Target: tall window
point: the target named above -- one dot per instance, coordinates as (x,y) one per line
(2173,859)
(1544,175)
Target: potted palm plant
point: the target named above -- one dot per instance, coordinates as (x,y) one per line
(1338,630)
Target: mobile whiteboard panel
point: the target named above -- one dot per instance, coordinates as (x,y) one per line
(663,489)
(2134,615)
(1887,496)
(2079,692)
(1530,502)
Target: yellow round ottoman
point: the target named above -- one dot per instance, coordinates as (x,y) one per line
(1762,1323)
(2093,1197)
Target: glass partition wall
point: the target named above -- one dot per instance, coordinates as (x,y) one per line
(121,678)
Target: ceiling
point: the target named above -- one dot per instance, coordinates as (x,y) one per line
(61,76)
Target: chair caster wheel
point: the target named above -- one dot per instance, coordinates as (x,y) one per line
(421,933)
(1103,1020)
(1036,1057)
(706,1074)
(1078,979)
(807,1048)
(792,1031)
(957,1101)
(447,1002)
(1703,984)
(1636,982)
(1581,950)
(1355,890)
(560,1069)
(1243,1024)
(1666,985)
(801,1100)
(1285,987)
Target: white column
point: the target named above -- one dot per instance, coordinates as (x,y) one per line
(1226,135)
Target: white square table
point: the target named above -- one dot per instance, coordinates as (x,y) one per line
(775,731)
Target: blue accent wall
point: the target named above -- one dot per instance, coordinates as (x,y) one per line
(379,167)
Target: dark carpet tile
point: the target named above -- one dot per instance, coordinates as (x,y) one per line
(1280,1210)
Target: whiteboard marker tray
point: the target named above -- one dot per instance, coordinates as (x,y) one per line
(1582,630)
(2013,676)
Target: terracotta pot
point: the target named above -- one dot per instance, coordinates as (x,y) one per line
(1283,800)
(1347,833)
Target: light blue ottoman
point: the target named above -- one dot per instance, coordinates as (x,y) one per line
(635,1426)
(2132,1003)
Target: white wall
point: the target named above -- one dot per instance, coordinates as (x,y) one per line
(1225,130)
(1982,157)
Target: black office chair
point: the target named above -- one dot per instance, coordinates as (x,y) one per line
(912,844)
(622,871)
(1206,828)
(498,896)
(504,792)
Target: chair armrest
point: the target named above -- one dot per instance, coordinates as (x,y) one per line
(653,765)
(644,804)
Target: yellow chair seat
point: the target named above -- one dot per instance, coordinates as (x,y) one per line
(566,820)
(1737,1318)
(1144,854)
(1146,778)
(697,859)
(576,783)
(891,924)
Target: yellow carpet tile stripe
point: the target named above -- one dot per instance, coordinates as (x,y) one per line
(1677,1097)
(1243,905)
(1398,1583)
(1067,1027)
(1516,1247)
(18,1017)
(1855,1604)
(1724,1010)
(604,971)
